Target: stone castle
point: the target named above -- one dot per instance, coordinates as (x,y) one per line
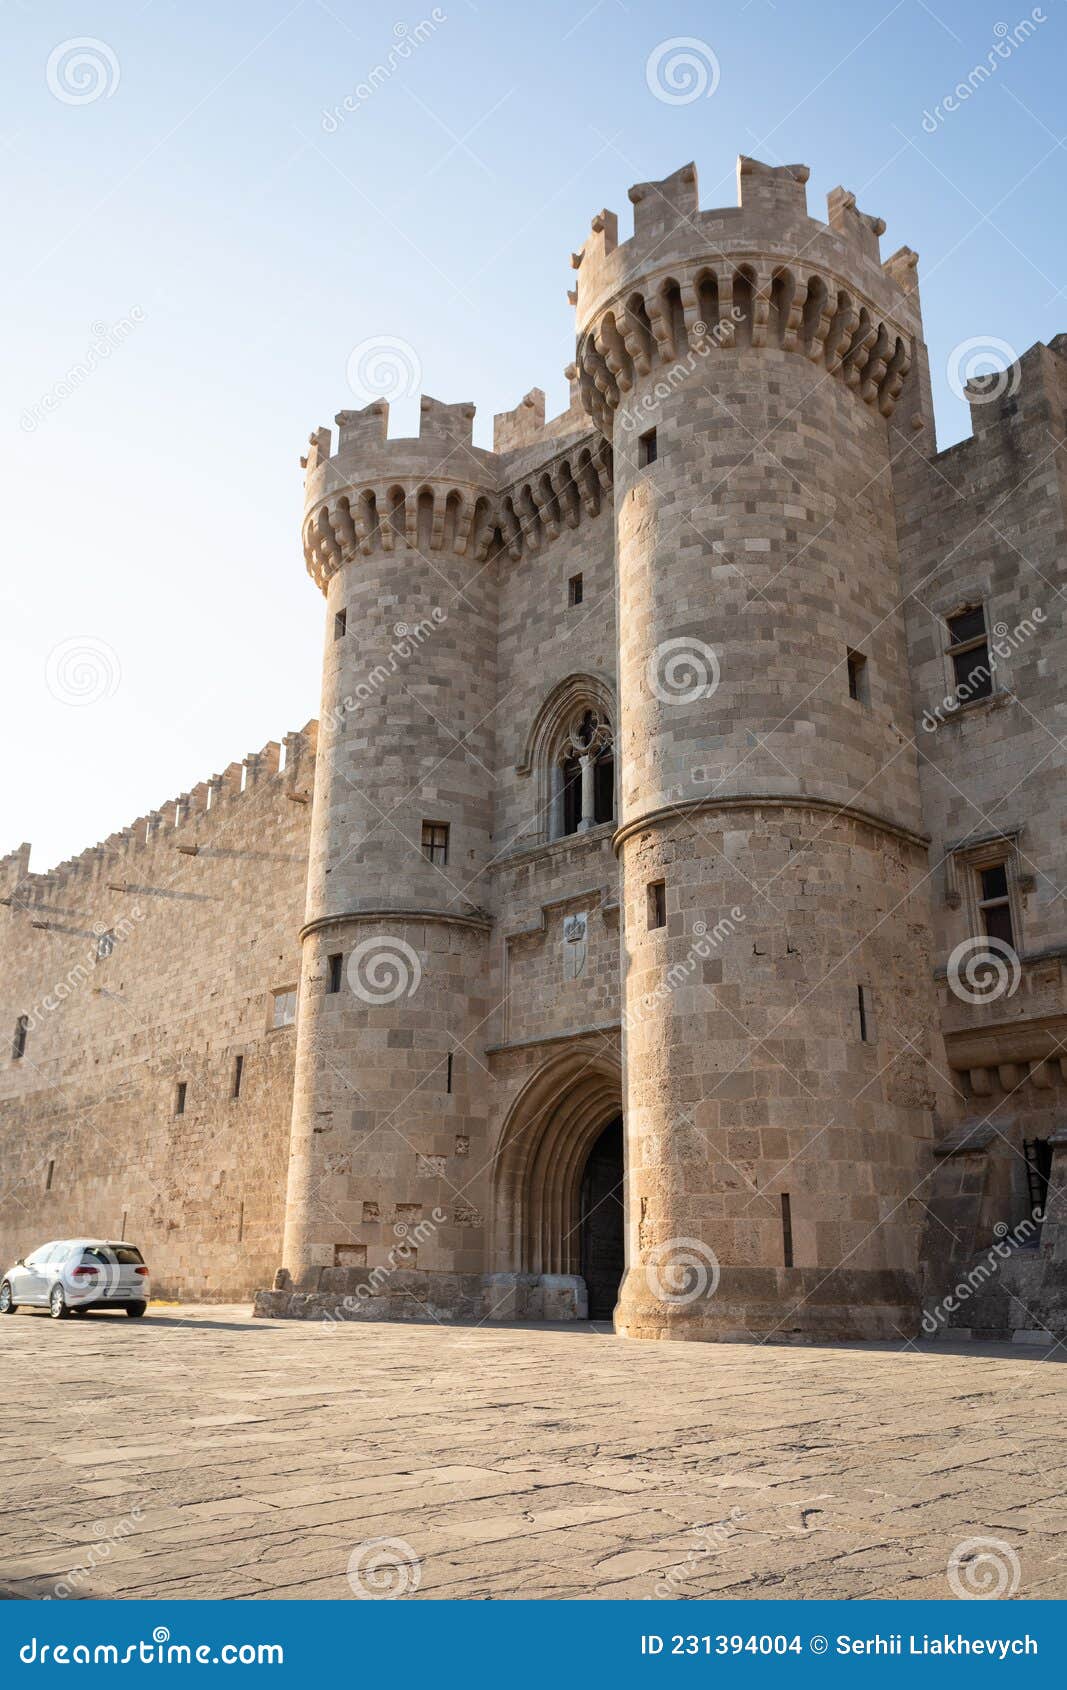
(663,916)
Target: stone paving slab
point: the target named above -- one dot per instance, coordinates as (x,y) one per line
(199,1454)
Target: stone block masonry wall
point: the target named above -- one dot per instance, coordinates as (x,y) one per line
(389,1094)
(397,1111)
(985,524)
(544,641)
(92,1141)
(756,553)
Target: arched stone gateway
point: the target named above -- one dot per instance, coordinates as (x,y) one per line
(556,1209)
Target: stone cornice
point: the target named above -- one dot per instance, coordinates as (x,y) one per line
(1039,1039)
(482,923)
(768,801)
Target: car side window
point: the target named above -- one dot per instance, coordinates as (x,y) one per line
(40,1257)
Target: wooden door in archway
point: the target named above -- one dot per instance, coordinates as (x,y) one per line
(602,1248)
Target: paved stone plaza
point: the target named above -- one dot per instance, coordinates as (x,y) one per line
(203,1454)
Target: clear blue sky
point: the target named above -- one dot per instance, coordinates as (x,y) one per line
(152,513)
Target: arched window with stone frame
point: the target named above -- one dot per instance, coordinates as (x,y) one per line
(571,751)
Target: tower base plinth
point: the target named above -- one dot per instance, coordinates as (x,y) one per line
(776,1305)
(341,1294)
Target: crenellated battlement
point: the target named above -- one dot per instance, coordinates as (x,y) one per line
(437,491)
(763,274)
(208,804)
(771,211)
(374,493)
(521,427)
(443,448)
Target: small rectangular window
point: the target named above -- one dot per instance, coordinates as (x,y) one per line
(284,1007)
(647,449)
(787,1230)
(1038,1155)
(657,903)
(435,841)
(574,590)
(863,1004)
(857,677)
(340,625)
(238,1074)
(48,1176)
(105,944)
(18,1044)
(994,904)
(179,1097)
(448,1073)
(968,649)
(336,963)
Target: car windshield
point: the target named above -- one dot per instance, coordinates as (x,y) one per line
(105,1255)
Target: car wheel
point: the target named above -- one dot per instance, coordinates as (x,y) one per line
(7,1301)
(57,1303)
(136,1310)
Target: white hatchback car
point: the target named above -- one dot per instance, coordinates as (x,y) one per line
(74,1275)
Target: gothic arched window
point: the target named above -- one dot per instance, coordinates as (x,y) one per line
(584,787)
(571,750)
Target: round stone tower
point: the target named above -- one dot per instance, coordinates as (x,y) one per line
(393,985)
(745,364)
